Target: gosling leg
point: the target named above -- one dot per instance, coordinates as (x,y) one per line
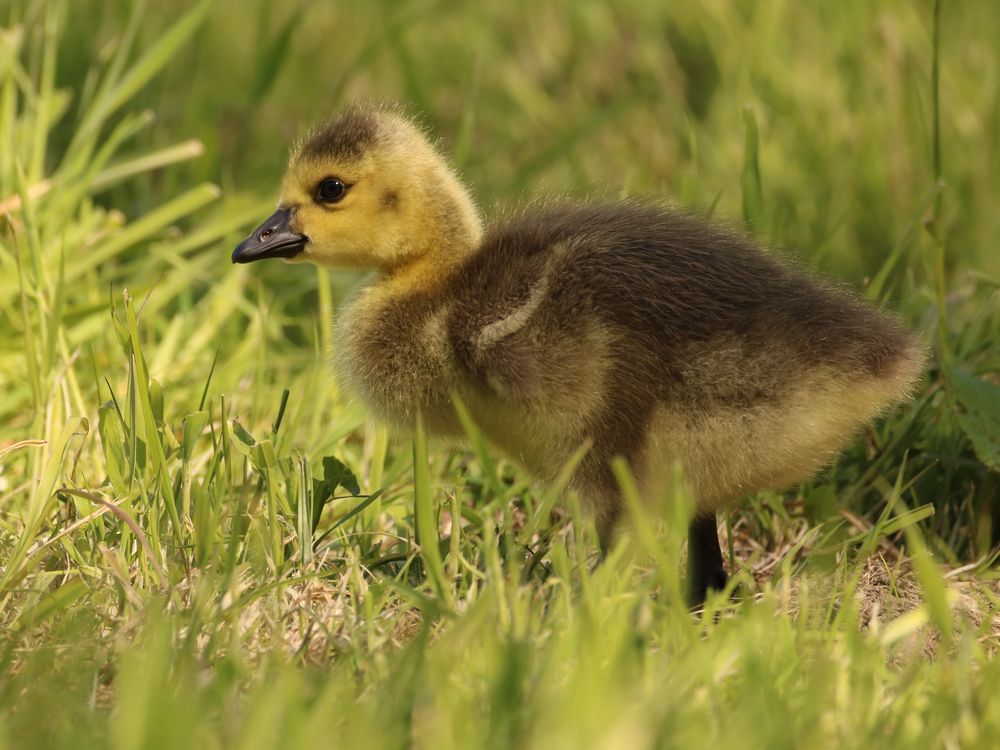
(705,570)
(607,526)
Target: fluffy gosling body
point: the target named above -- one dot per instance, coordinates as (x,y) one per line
(640,331)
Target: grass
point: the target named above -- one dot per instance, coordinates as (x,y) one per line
(205,544)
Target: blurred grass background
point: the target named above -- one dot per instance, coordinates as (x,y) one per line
(202,542)
(603,98)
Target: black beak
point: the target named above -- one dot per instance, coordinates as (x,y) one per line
(272,239)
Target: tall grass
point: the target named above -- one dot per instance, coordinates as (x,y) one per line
(204,544)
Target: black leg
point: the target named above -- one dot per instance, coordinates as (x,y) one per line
(705,570)
(607,525)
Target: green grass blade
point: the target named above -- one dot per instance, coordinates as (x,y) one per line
(425,521)
(154,443)
(143,229)
(148,65)
(878,282)
(750,181)
(190,149)
(41,498)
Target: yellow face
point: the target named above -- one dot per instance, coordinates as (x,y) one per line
(367,190)
(353,213)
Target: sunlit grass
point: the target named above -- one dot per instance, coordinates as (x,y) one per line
(205,544)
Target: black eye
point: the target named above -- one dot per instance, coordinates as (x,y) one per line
(330,190)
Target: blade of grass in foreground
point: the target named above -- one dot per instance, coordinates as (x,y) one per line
(424,518)
(154,444)
(41,497)
(144,228)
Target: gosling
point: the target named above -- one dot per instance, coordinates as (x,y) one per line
(639,331)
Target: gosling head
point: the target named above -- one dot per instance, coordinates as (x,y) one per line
(366,190)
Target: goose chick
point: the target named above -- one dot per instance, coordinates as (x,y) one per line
(640,331)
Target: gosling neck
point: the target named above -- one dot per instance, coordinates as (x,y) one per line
(427,272)
(436,259)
